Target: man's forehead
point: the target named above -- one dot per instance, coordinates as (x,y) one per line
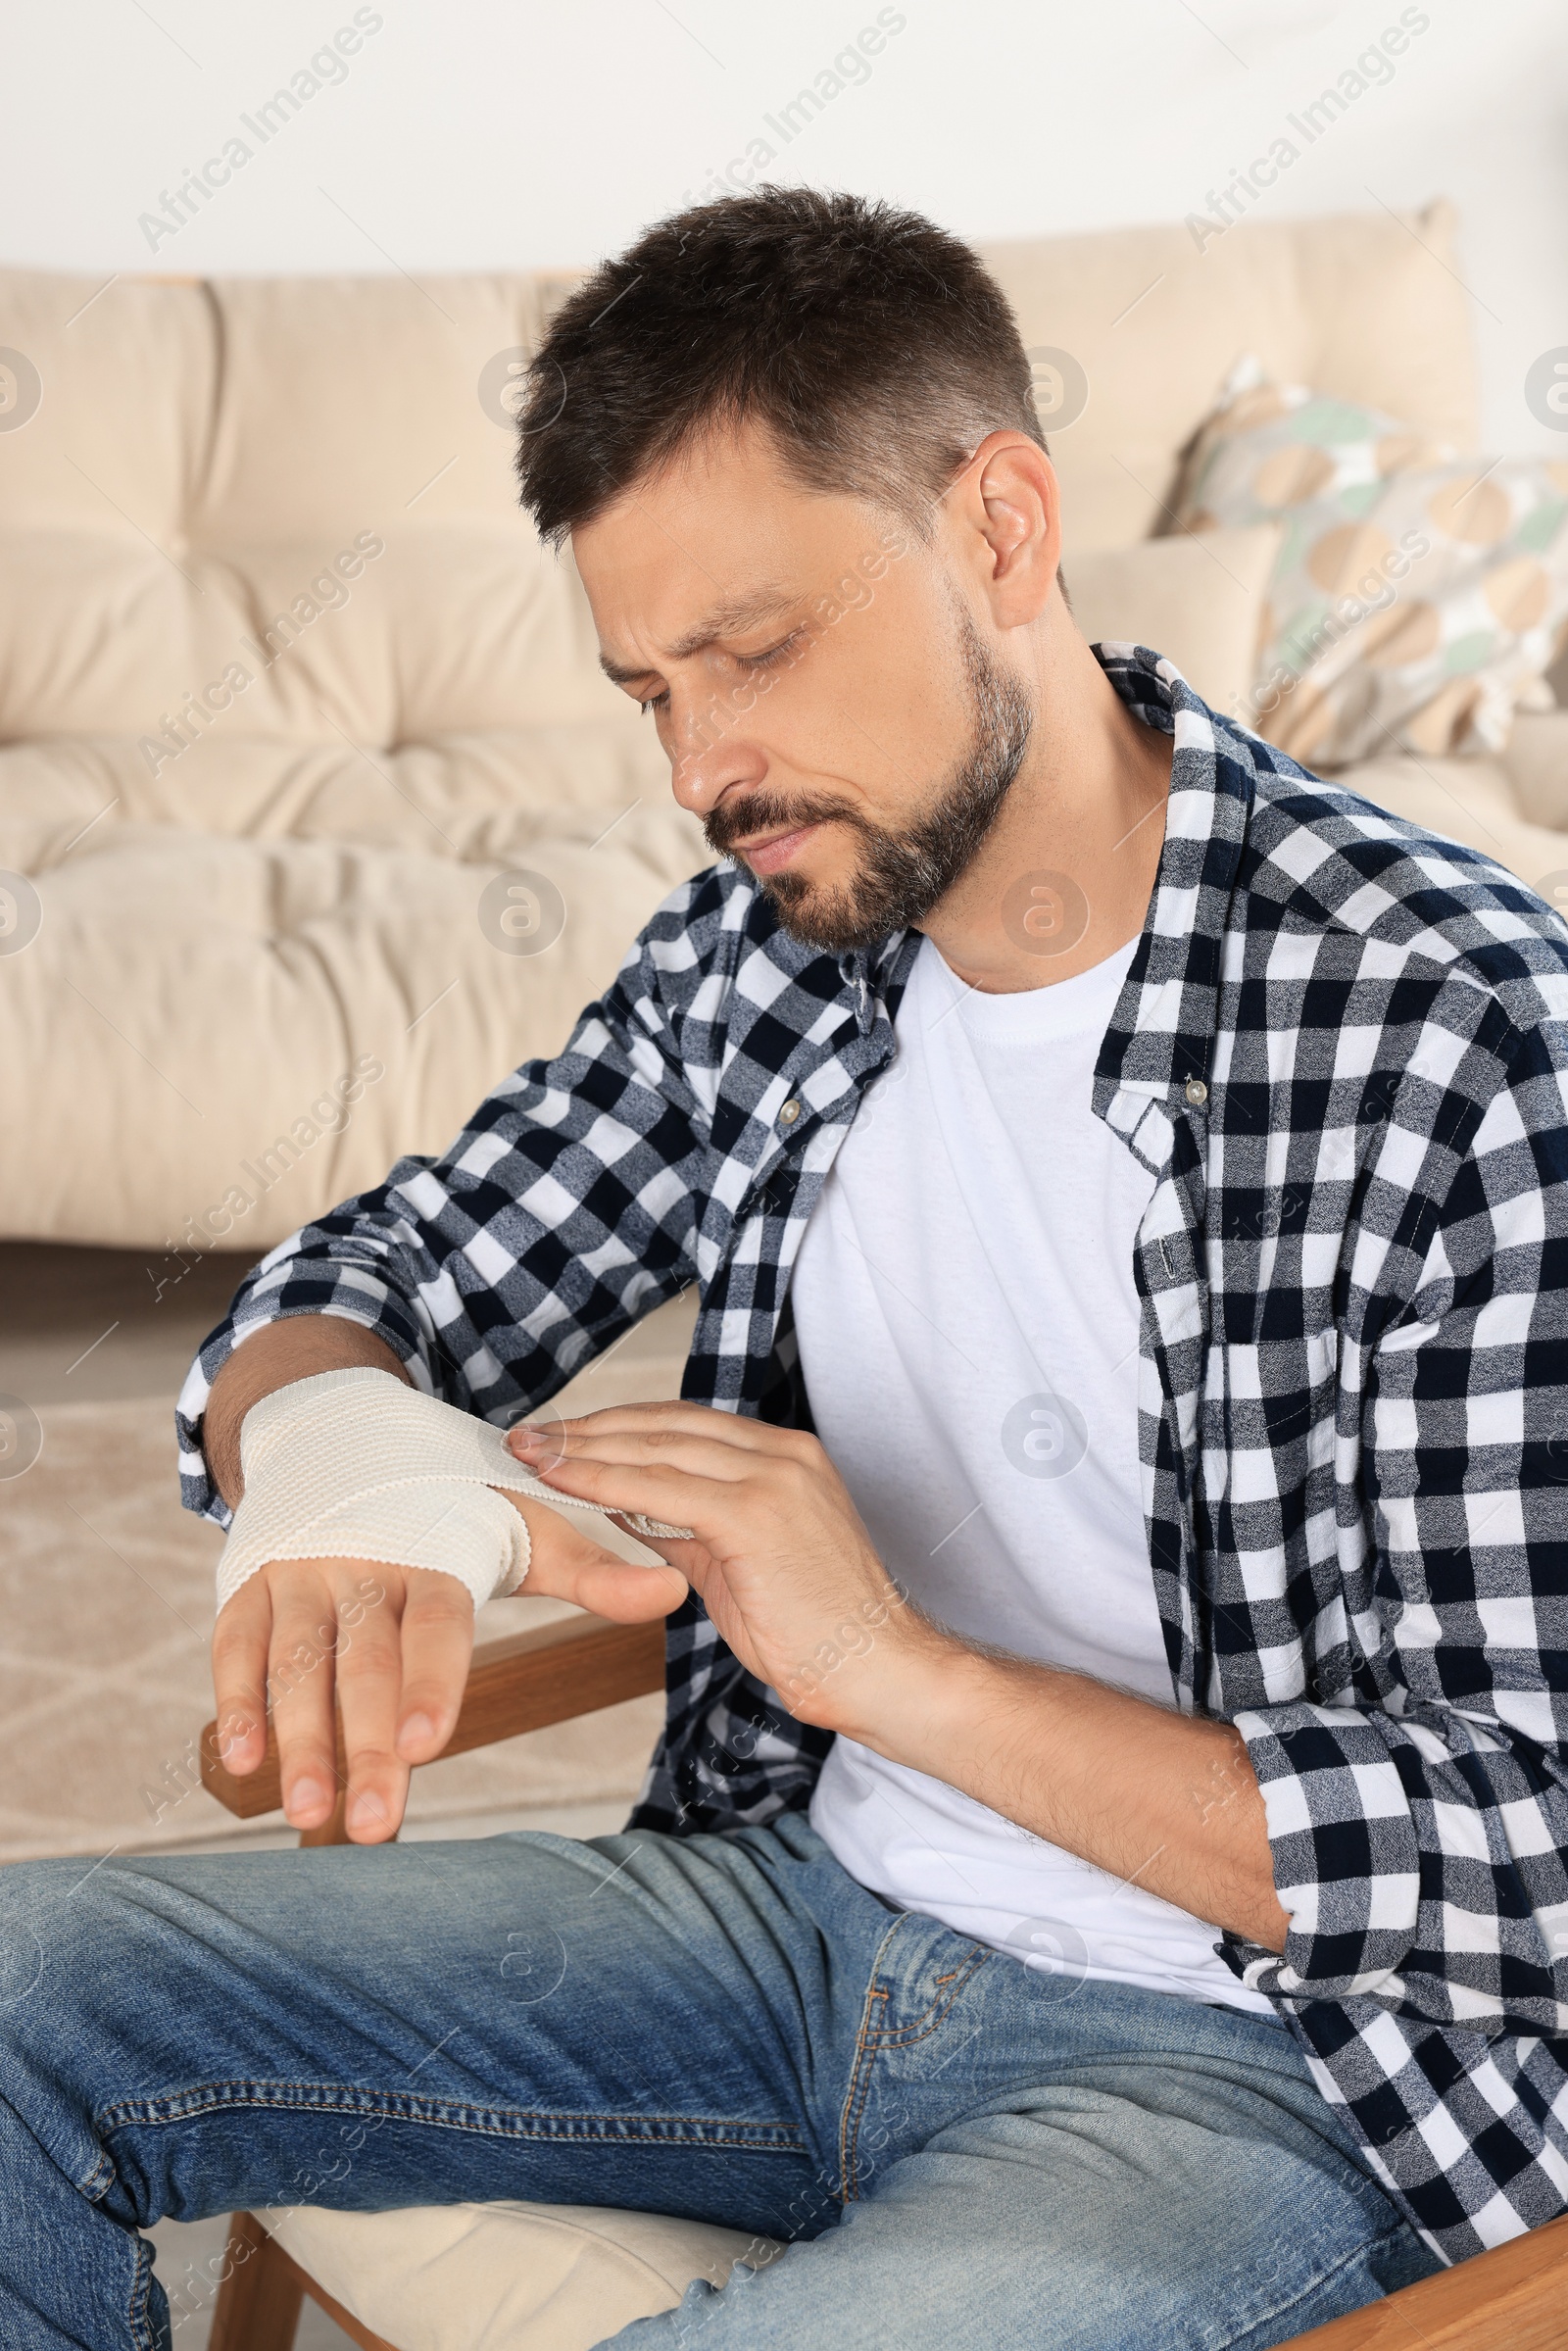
(722,538)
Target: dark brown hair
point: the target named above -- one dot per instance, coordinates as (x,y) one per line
(876,349)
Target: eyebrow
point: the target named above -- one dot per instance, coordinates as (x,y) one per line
(722,620)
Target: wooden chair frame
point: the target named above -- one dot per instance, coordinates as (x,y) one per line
(1512,2299)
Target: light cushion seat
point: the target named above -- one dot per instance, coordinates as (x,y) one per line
(190,996)
(508,2277)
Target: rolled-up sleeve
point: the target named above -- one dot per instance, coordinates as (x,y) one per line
(1420,1841)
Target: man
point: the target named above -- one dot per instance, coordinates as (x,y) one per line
(1103,1880)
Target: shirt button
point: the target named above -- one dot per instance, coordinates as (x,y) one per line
(1197,1093)
(789,1114)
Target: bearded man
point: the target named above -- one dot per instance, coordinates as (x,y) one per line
(1103,1875)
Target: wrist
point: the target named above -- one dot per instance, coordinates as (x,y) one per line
(888,1693)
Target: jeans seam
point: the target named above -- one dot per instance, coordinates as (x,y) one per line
(141,2283)
(904,2037)
(859,2071)
(871,2039)
(216,2098)
(866,2044)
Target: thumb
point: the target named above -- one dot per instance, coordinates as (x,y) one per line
(594,1578)
(566,1564)
(616,1588)
(625,1594)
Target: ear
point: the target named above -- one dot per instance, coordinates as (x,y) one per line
(1009,507)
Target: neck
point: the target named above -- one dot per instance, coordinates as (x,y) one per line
(1063,878)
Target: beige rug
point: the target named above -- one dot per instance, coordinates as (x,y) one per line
(106,1588)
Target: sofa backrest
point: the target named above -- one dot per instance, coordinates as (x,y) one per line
(1365,305)
(329,459)
(289,692)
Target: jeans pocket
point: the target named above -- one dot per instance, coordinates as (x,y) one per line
(922,2011)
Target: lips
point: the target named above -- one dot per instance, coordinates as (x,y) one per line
(776,850)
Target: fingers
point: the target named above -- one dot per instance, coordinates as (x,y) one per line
(370,1684)
(625,1594)
(299,1684)
(437,1646)
(648,1483)
(240,1642)
(389,1645)
(697,1451)
(736,1429)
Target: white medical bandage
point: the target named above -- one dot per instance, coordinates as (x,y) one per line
(357,1465)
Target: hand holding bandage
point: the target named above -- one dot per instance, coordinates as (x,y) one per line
(353,1466)
(357,1465)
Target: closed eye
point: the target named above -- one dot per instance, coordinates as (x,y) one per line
(747,660)
(774,652)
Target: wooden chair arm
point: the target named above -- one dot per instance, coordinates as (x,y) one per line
(572,1667)
(1516,2296)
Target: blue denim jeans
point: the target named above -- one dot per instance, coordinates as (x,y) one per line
(958,2149)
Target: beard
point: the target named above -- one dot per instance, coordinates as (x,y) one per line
(897,877)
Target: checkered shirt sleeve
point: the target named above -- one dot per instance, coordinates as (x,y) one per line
(1419,1820)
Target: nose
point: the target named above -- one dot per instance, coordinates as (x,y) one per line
(709,744)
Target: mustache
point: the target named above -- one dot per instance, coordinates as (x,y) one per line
(763,812)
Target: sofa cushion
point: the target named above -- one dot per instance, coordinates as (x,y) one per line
(495,793)
(218,1037)
(1417,596)
(508,2277)
(203,452)
(1367,306)
(1200,601)
(1537,761)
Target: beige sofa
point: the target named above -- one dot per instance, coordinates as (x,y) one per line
(287,685)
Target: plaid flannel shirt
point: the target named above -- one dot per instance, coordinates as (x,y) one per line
(1340,1049)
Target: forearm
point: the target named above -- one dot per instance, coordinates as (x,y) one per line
(1156,1797)
(272,1357)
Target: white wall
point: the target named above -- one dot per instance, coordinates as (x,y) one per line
(474,133)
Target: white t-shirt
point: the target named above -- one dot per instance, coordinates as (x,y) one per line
(969,1328)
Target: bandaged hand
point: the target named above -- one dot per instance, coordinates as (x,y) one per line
(374,1521)
(359,1465)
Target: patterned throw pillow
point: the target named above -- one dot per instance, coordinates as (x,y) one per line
(1417,598)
